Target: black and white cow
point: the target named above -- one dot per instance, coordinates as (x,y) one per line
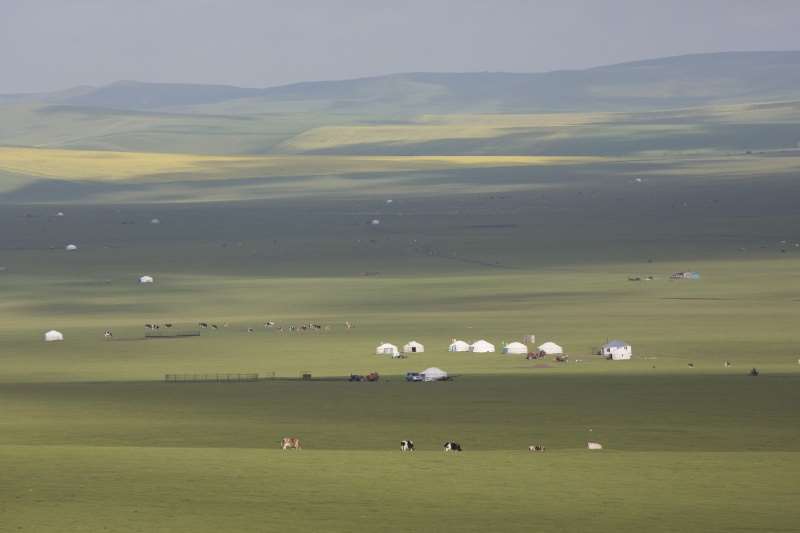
(451,446)
(406,445)
(535,448)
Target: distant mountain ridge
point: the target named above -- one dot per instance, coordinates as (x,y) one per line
(679,81)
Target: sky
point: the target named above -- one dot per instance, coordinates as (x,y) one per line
(49,45)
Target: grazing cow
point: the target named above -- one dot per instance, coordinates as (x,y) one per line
(594,445)
(727,364)
(406,445)
(535,448)
(691,365)
(148,326)
(290,442)
(249,330)
(203,325)
(167,325)
(213,326)
(451,446)
(107,334)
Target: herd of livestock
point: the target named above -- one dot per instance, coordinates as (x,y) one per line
(407,445)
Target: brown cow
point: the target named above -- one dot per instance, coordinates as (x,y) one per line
(290,442)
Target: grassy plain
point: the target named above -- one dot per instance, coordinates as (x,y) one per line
(492,247)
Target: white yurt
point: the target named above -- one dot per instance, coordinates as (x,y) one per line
(387,349)
(458,346)
(70,247)
(481,346)
(515,348)
(551,348)
(413,347)
(53,335)
(433,374)
(146,279)
(155,221)
(617,350)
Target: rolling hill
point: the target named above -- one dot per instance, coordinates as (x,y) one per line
(700,79)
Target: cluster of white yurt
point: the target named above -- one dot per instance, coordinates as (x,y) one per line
(145,279)
(387,348)
(616,350)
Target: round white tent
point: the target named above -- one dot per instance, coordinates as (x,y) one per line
(515,348)
(617,350)
(458,346)
(551,348)
(70,247)
(413,347)
(387,349)
(481,346)
(146,279)
(433,374)
(53,335)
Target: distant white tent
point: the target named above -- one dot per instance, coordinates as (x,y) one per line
(551,348)
(413,347)
(617,350)
(433,374)
(155,221)
(375,222)
(60,214)
(515,348)
(70,247)
(481,346)
(387,349)
(458,346)
(146,279)
(53,335)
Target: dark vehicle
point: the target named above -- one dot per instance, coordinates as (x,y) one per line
(414,376)
(356,377)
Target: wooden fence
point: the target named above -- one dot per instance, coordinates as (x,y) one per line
(218,378)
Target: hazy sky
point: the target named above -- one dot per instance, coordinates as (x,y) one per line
(55,44)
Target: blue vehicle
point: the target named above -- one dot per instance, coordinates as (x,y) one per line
(414,376)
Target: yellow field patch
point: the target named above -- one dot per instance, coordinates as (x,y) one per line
(117,166)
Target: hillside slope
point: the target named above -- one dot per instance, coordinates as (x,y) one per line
(699,79)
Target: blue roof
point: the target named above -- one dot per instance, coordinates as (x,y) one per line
(616,344)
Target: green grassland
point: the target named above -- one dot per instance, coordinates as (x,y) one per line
(499,226)
(93,439)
